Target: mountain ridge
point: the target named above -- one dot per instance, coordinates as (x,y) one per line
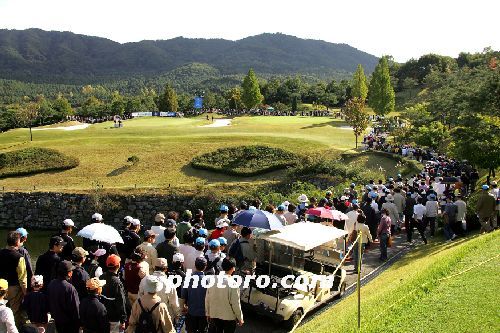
(37,55)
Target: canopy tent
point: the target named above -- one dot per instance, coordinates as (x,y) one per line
(304,236)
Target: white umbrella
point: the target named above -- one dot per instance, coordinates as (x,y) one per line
(101,232)
(338,215)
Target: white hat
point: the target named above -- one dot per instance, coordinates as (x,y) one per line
(178,257)
(136,222)
(390,197)
(69,223)
(222,223)
(344,198)
(153,284)
(303,198)
(97,217)
(128,218)
(37,280)
(286,203)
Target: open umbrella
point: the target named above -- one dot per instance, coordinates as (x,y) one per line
(256,218)
(101,232)
(339,216)
(321,212)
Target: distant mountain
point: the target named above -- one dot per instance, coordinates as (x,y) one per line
(49,56)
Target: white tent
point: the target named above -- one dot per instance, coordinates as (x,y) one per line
(304,236)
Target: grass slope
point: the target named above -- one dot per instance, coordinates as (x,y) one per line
(415,295)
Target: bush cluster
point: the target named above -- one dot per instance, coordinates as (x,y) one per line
(34,160)
(245,160)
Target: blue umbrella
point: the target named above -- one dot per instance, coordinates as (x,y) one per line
(256,218)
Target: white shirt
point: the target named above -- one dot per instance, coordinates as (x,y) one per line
(374,206)
(158,229)
(352,217)
(282,218)
(461,210)
(419,211)
(190,258)
(432,208)
(7,324)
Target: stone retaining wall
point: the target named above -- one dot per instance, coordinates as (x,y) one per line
(46,210)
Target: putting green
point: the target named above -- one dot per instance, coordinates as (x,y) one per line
(165,146)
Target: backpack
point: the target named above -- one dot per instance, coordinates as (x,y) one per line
(236,252)
(212,267)
(146,323)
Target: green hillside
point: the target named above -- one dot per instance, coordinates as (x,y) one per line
(441,287)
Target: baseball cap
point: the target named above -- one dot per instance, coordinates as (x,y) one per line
(187,215)
(328,192)
(37,280)
(222,240)
(281,208)
(97,217)
(22,232)
(80,252)
(128,218)
(170,223)
(485,187)
(136,222)
(178,257)
(4,285)
(153,284)
(353,185)
(68,223)
(56,240)
(199,241)
(159,217)
(222,223)
(223,208)
(113,261)
(202,232)
(214,243)
(149,233)
(94,283)
(161,262)
(64,267)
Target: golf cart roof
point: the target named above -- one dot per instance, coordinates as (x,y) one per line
(304,236)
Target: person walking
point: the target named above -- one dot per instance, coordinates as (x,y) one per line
(408,211)
(80,276)
(148,248)
(7,323)
(35,304)
(184,225)
(131,240)
(419,212)
(432,211)
(247,250)
(167,248)
(461,214)
(193,300)
(168,293)
(13,270)
(65,234)
(222,305)
(384,233)
(159,228)
(93,314)
(113,292)
(485,209)
(151,306)
(134,271)
(190,258)
(371,216)
(393,212)
(46,264)
(64,303)
(365,238)
(24,252)
(450,215)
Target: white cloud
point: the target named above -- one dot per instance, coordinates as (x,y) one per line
(403,29)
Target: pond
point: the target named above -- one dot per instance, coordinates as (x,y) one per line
(38,241)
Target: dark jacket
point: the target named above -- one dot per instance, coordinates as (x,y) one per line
(27,259)
(114,298)
(46,265)
(64,303)
(194,298)
(79,280)
(35,305)
(67,251)
(369,213)
(94,316)
(166,250)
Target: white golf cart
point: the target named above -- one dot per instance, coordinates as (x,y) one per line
(309,250)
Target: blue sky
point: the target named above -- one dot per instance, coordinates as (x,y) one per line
(403,29)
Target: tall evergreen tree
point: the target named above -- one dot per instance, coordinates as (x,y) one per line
(359,86)
(251,95)
(167,102)
(381,94)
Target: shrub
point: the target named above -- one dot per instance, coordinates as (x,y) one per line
(34,160)
(133,159)
(245,160)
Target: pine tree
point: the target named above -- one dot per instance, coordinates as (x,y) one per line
(381,95)
(359,86)
(251,95)
(167,102)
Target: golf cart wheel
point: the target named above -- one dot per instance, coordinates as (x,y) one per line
(294,318)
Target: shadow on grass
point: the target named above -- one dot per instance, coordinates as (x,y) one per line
(334,123)
(214,177)
(118,171)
